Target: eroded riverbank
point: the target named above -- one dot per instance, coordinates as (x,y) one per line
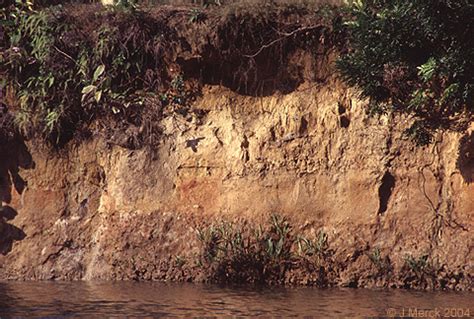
(128,189)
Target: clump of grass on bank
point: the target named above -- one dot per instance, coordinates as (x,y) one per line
(420,271)
(382,263)
(263,254)
(274,253)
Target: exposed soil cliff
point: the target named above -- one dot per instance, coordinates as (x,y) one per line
(97,210)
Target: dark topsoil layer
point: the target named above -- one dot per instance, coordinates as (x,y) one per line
(252,48)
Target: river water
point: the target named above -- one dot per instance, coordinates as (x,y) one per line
(138,299)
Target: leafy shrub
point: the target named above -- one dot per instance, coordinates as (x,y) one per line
(383,264)
(67,68)
(419,270)
(246,255)
(414,57)
(196,16)
(317,247)
(417,264)
(261,254)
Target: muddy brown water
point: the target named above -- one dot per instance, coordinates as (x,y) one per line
(138,299)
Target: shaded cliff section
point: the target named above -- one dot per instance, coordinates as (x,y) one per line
(294,142)
(14,156)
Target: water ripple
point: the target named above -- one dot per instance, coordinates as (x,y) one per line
(155,300)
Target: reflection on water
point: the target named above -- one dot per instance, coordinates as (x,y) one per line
(87,299)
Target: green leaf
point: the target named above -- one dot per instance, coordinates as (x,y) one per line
(279,246)
(427,70)
(51,119)
(88,89)
(50,81)
(98,95)
(270,248)
(98,72)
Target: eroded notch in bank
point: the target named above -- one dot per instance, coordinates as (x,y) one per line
(385,191)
